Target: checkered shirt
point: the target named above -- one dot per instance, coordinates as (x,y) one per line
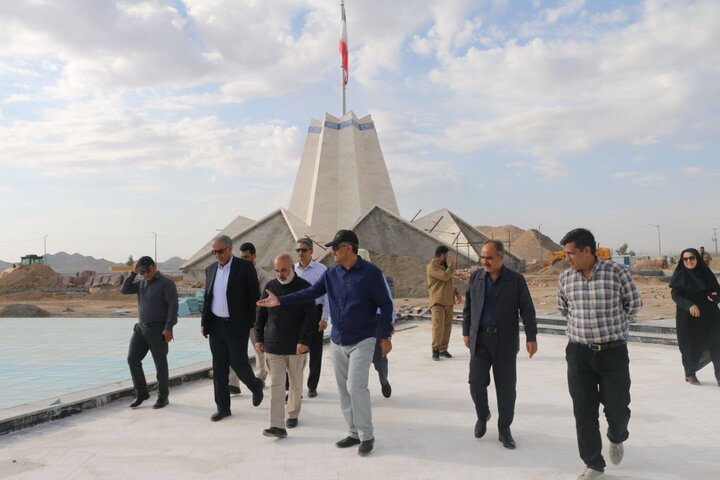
(598,309)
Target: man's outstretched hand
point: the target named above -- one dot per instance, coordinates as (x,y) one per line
(270,301)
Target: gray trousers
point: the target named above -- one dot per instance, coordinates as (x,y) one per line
(148,337)
(352,369)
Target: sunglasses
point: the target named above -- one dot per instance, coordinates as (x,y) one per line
(689,259)
(215,252)
(302,250)
(340,245)
(143,271)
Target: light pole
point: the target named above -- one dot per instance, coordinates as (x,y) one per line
(714,239)
(659,245)
(540,240)
(155,235)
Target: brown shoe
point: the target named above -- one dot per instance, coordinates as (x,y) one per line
(692,380)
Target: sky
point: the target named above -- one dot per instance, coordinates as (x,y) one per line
(126,121)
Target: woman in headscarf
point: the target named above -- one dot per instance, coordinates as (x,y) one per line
(695,290)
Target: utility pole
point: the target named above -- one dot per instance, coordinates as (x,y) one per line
(45,249)
(155,235)
(714,239)
(540,240)
(659,245)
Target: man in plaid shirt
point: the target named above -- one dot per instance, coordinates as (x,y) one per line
(598,298)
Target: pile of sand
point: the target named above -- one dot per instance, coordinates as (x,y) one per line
(23,310)
(27,276)
(528,244)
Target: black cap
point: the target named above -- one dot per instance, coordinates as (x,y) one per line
(145,262)
(344,236)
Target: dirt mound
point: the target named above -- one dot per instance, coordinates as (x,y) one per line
(27,276)
(23,310)
(533,245)
(505,233)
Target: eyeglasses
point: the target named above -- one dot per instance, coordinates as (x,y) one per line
(143,271)
(302,250)
(220,250)
(689,259)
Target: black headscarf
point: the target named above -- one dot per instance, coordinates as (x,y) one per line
(697,280)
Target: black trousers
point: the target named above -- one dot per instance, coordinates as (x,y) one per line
(148,337)
(228,344)
(316,352)
(379,361)
(489,354)
(596,378)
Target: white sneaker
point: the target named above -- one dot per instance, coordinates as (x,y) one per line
(615,452)
(590,474)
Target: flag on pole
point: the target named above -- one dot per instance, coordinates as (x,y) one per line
(344,46)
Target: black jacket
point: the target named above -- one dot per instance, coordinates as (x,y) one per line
(513,301)
(282,328)
(242,292)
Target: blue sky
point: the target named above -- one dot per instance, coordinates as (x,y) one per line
(119,119)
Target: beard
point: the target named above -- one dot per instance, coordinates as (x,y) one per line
(289,279)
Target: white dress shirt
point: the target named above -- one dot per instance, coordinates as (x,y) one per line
(311,274)
(219,305)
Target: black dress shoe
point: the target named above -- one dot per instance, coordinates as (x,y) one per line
(234,390)
(161,402)
(445,354)
(366,447)
(347,442)
(291,422)
(312,393)
(506,438)
(217,416)
(275,432)
(436,354)
(481,426)
(258,396)
(386,390)
(141,397)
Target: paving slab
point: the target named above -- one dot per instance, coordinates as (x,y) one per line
(424,431)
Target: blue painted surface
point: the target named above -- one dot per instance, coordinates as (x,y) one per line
(43,358)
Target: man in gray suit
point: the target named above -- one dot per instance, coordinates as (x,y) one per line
(496,296)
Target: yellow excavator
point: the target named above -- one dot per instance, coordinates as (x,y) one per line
(600,252)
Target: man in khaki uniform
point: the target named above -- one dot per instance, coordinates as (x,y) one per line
(705,256)
(442,294)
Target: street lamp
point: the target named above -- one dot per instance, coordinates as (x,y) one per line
(659,245)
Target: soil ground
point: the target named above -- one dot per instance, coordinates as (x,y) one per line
(101,303)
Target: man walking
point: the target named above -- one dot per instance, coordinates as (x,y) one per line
(496,296)
(355,290)
(598,298)
(442,295)
(284,333)
(248,252)
(157,314)
(311,271)
(231,290)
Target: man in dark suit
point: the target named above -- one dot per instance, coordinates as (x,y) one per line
(231,290)
(495,296)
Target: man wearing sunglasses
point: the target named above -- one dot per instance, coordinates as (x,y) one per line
(311,271)
(355,289)
(157,314)
(231,290)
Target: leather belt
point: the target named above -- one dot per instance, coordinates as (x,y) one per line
(489,329)
(599,347)
(221,318)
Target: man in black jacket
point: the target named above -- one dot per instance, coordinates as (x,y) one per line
(284,334)
(495,296)
(231,290)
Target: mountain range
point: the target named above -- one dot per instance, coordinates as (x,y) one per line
(63,262)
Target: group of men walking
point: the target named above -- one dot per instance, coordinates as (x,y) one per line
(597,297)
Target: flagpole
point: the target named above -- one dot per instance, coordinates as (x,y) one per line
(343,72)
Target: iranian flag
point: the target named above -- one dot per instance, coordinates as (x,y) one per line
(344,46)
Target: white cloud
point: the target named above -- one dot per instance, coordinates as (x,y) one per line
(625,174)
(90,136)
(638,84)
(611,17)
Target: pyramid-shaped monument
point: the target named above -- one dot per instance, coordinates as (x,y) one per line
(342,174)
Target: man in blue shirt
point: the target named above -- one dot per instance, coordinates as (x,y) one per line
(355,290)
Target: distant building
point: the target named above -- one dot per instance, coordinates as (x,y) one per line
(32,259)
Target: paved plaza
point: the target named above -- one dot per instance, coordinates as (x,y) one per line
(425,430)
